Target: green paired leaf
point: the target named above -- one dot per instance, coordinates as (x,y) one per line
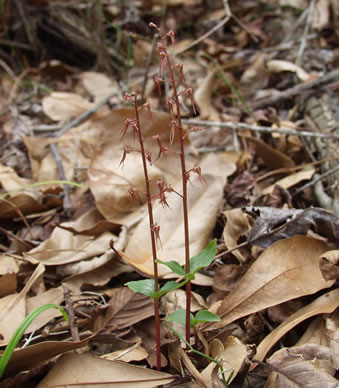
(204,258)
(145,286)
(21,330)
(206,316)
(179,316)
(189,276)
(169,286)
(174,266)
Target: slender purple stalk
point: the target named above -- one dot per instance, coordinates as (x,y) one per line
(166,61)
(184,196)
(153,229)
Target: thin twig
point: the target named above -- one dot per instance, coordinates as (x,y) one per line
(148,64)
(84,116)
(317,179)
(305,33)
(227,17)
(257,128)
(67,204)
(72,318)
(296,90)
(54,150)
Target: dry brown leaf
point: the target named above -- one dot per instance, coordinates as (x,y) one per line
(301,367)
(98,85)
(26,358)
(13,308)
(232,354)
(237,225)
(278,65)
(97,274)
(315,333)
(290,180)
(124,309)
(20,204)
(332,334)
(286,270)
(63,247)
(64,106)
(133,353)
(326,303)
(91,223)
(110,182)
(8,280)
(13,317)
(321,14)
(329,264)
(226,277)
(53,295)
(10,180)
(272,158)
(203,98)
(203,206)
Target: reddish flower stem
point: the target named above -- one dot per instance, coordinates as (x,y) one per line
(153,237)
(184,193)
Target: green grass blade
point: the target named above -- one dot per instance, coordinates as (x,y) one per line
(21,330)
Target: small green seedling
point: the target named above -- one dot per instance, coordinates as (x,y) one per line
(21,330)
(201,260)
(219,364)
(202,316)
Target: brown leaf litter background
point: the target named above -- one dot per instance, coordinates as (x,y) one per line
(265,81)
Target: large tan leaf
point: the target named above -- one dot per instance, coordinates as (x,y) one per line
(291,180)
(63,247)
(99,85)
(8,269)
(203,98)
(64,106)
(109,181)
(53,295)
(124,309)
(301,367)
(13,308)
(286,270)
(26,358)
(238,224)
(271,157)
(86,370)
(203,205)
(326,303)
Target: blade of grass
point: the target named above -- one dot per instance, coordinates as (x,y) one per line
(21,330)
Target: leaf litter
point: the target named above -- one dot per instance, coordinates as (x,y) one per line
(275,277)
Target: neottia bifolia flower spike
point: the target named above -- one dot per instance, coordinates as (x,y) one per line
(158,81)
(147,105)
(171,35)
(174,126)
(133,193)
(153,25)
(162,148)
(127,150)
(156,230)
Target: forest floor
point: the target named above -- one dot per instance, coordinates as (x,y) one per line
(258,94)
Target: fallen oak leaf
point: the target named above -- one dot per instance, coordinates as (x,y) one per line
(286,270)
(325,304)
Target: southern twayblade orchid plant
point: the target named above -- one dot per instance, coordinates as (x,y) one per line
(150,287)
